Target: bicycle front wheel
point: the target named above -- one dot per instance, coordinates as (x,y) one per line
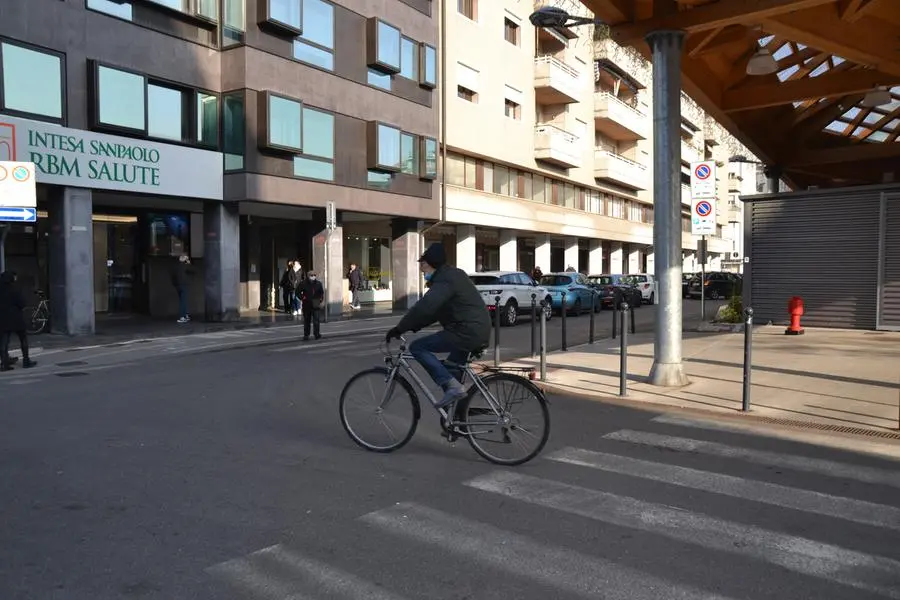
(512,428)
(35,319)
(379,415)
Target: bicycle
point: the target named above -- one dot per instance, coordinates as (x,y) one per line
(496,416)
(37,317)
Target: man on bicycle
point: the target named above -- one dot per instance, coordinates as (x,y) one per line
(452,300)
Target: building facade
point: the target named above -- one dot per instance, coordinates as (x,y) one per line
(243,133)
(549,148)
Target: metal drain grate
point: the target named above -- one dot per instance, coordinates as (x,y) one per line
(891,435)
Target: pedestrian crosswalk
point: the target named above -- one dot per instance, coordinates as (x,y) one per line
(851,551)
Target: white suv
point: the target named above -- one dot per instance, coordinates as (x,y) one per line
(515,290)
(647,284)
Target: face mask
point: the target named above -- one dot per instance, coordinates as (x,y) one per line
(312,277)
(428,276)
(296,267)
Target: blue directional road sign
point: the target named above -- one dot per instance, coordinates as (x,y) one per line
(18,214)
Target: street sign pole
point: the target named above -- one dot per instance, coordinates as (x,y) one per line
(3,230)
(703,279)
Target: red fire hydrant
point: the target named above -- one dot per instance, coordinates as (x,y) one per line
(795,310)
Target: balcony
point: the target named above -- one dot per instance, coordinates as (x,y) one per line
(689,154)
(686,195)
(620,170)
(555,82)
(556,146)
(617,120)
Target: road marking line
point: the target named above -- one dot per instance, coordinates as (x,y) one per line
(762,457)
(801,555)
(310,346)
(277,573)
(577,573)
(858,511)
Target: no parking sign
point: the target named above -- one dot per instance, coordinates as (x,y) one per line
(703,179)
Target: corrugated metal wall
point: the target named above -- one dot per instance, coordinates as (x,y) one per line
(821,245)
(890,273)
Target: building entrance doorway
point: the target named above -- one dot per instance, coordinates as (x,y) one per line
(116,274)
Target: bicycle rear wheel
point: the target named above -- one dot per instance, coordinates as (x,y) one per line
(394,410)
(518,433)
(35,319)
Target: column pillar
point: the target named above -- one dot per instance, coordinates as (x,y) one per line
(571,252)
(634,260)
(651,262)
(405,253)
(542,253)
(465,248)
(509,251)
(222,260)
(328,260)
(71,250)
(666,47)
(595,257)
(251,268)
(616,258)
(773,179)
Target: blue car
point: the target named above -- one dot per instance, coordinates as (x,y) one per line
(574,288)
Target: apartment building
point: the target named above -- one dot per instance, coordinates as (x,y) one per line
(242,133)
(549,147)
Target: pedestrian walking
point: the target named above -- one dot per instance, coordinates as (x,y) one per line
(12,321)
(312,295)
(355,279)
(181,273)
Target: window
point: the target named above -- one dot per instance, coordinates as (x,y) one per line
(428,158)
(466,94)
(284,123)
(316,45)
(468,8)
(513,110)
(379,79)
(234,22)
(32,81)
(206,9)
(378,180)
(511,31)
(384,147)
(233,130)
(121,99)
(207,120)
(383,46)
(409,59)
(164,112)
(428,66)
(283,15)
(115,9)
(408,164)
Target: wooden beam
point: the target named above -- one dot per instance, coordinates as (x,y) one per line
(825,86)
(870,129)
(716,39)
(611,11)
(852,10)
(711,16)
(868,42)
(843,154)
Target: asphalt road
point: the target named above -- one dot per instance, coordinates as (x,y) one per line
(226,475)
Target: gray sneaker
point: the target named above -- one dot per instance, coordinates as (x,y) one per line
(452,392)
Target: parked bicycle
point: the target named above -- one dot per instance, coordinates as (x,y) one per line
(37,317)
(483,411)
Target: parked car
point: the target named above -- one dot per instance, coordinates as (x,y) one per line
(647,284)
(569,289)
(606,286)
(686,279)
(515,289)
(717,284)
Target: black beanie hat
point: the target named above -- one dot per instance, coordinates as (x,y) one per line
(434,255)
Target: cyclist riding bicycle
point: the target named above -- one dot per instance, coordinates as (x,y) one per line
(452,300)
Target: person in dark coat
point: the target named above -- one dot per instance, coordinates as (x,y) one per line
(12,320)
(355,282)
(453,301)
(312,295)
(181,271)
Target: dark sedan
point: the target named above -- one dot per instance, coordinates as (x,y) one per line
(607,285)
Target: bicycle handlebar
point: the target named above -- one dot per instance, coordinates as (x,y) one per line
(385,345)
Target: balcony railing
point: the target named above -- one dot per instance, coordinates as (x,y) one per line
(620,170)
(690,154)
(619,120)
(557,146)
(555,82)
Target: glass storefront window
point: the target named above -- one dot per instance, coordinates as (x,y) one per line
(32,81)
(373,257)
(121,101)
(165,107)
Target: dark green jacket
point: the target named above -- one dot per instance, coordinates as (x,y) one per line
(454,302)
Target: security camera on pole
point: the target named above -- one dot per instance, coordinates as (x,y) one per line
(703,215)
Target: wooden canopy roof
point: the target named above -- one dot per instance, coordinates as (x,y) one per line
(808,118)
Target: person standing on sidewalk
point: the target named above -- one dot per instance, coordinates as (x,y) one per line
(312,295)
(180,279)
(12,320)
(355,279)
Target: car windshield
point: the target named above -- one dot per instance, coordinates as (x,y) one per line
(484,279)
(555,280)
(604,280)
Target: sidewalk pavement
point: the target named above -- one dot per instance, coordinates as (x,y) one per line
(830,380)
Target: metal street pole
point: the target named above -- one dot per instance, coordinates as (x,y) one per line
(3,230)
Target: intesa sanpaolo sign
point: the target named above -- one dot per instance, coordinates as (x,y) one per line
(86,159)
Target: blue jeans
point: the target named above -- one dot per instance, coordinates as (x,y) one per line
(425,347)
(182,301)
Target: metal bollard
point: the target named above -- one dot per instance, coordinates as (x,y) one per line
(631,319)
(615,317)
(748,365)
(562,314)
(543,341)
(593,317)
(496,331)
(534,325)
(623,355)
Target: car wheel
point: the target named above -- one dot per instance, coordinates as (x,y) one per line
(714,294)
(510,313)
(652,298)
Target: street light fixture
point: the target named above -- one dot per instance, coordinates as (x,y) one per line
(551,16)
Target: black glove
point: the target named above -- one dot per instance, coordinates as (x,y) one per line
(393,333)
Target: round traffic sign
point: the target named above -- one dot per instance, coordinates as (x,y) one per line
(703,208)
(702,171)
(21,174)
(3,173)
